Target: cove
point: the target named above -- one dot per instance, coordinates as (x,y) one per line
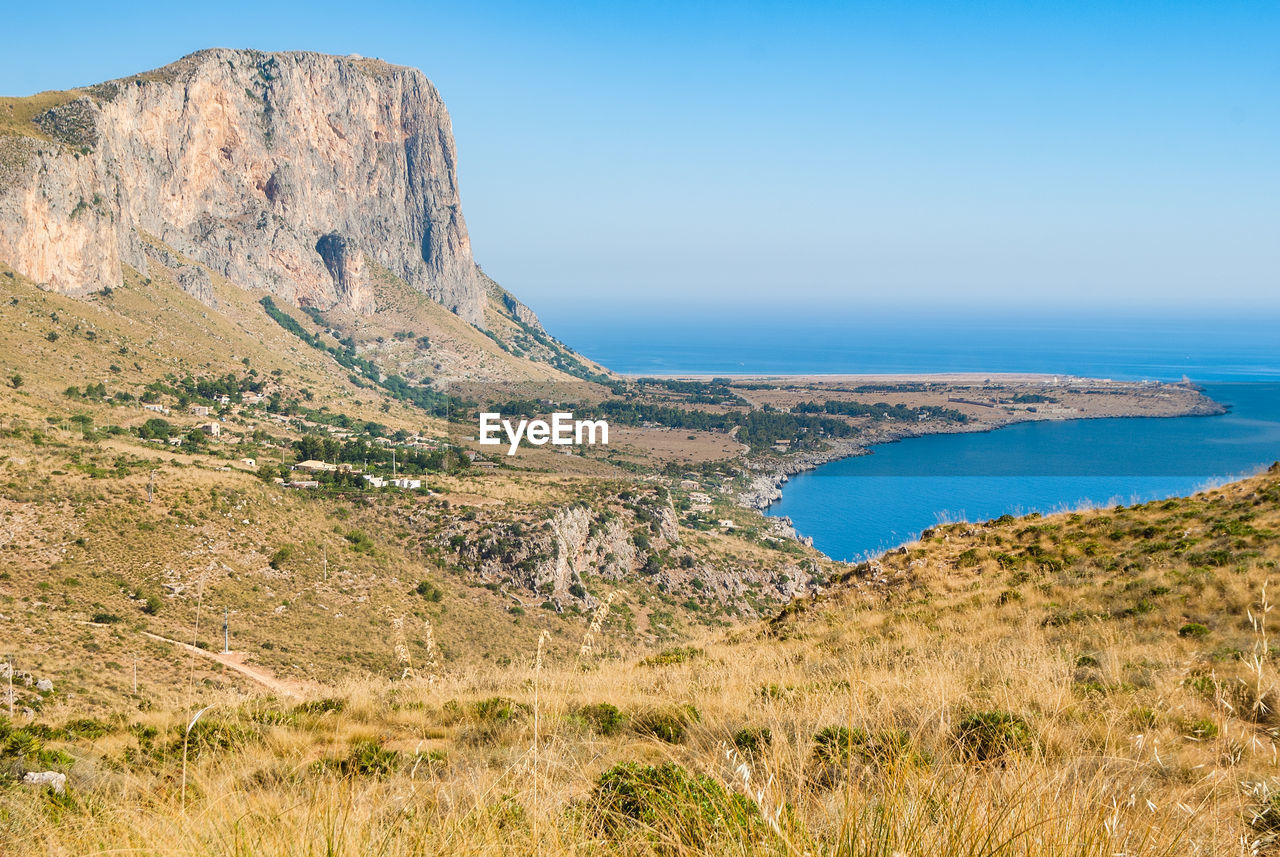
(859,507)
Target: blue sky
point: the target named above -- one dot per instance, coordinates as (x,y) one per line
(892,154)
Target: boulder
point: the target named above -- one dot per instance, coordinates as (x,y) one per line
(51,779)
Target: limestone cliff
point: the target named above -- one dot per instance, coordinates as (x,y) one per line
(279,171)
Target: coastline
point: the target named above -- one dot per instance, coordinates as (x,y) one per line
(765,488)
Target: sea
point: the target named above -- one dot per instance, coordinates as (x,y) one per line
(859,507)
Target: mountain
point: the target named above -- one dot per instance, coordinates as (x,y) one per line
(292,173)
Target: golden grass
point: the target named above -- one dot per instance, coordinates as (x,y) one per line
(1141,737)
(17,114)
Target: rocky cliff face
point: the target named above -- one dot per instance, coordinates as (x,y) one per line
(279,171)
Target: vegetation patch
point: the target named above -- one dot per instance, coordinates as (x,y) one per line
(682,812)
(990,736)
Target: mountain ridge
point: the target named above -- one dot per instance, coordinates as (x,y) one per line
(281,172)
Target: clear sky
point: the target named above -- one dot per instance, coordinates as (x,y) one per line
(900,154)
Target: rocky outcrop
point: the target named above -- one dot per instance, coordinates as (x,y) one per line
(46,779)
(278,171)
(193,279)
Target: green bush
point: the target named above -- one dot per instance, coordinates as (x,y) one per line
(1194,630)
(370,759)
(430,591)
(319,706)
(988,736)
(281,556)
(360,543)
(25,747)
(667,657)
(684,812)
(834,745)
(497,709)
(753,740)
(1203,729)
(209,735)
(602,717)
(85,727)
(666,724)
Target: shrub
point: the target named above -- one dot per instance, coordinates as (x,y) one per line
(988,736)
(666,724)
(834,745)
(1203,729)
(602,717)
(281,556)
(968,559)
(85,727)
(753,740)
(320,706)
(105,618)
(678,655)
(360,543)
(209,735)
(690,813)
(1194,630)
(430,591)
(497,709)
(152,605)
(370,759)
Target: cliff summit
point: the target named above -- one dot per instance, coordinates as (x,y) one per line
(282,172)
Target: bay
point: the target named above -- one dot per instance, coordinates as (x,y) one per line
(862,506)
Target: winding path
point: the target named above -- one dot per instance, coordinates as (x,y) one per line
(235,661)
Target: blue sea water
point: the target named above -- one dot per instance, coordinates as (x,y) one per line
(862,506)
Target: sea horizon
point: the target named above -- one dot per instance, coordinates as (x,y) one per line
(1161,347)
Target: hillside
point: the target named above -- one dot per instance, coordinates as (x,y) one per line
(243,352)
(1093,683)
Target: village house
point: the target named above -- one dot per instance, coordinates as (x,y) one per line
(305,483)
(200,410)
(159,409)
(375,481)
(406,482)
(212,429)
(313,466)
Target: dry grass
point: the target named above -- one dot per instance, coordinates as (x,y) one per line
(918,709)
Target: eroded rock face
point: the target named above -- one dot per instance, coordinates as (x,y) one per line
(279,171)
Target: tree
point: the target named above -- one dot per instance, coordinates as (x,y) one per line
(154,428)
(15,381)
(310,447)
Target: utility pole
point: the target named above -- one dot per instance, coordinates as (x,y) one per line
(11,687)
(325,548)
(226,633)
(151,487)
